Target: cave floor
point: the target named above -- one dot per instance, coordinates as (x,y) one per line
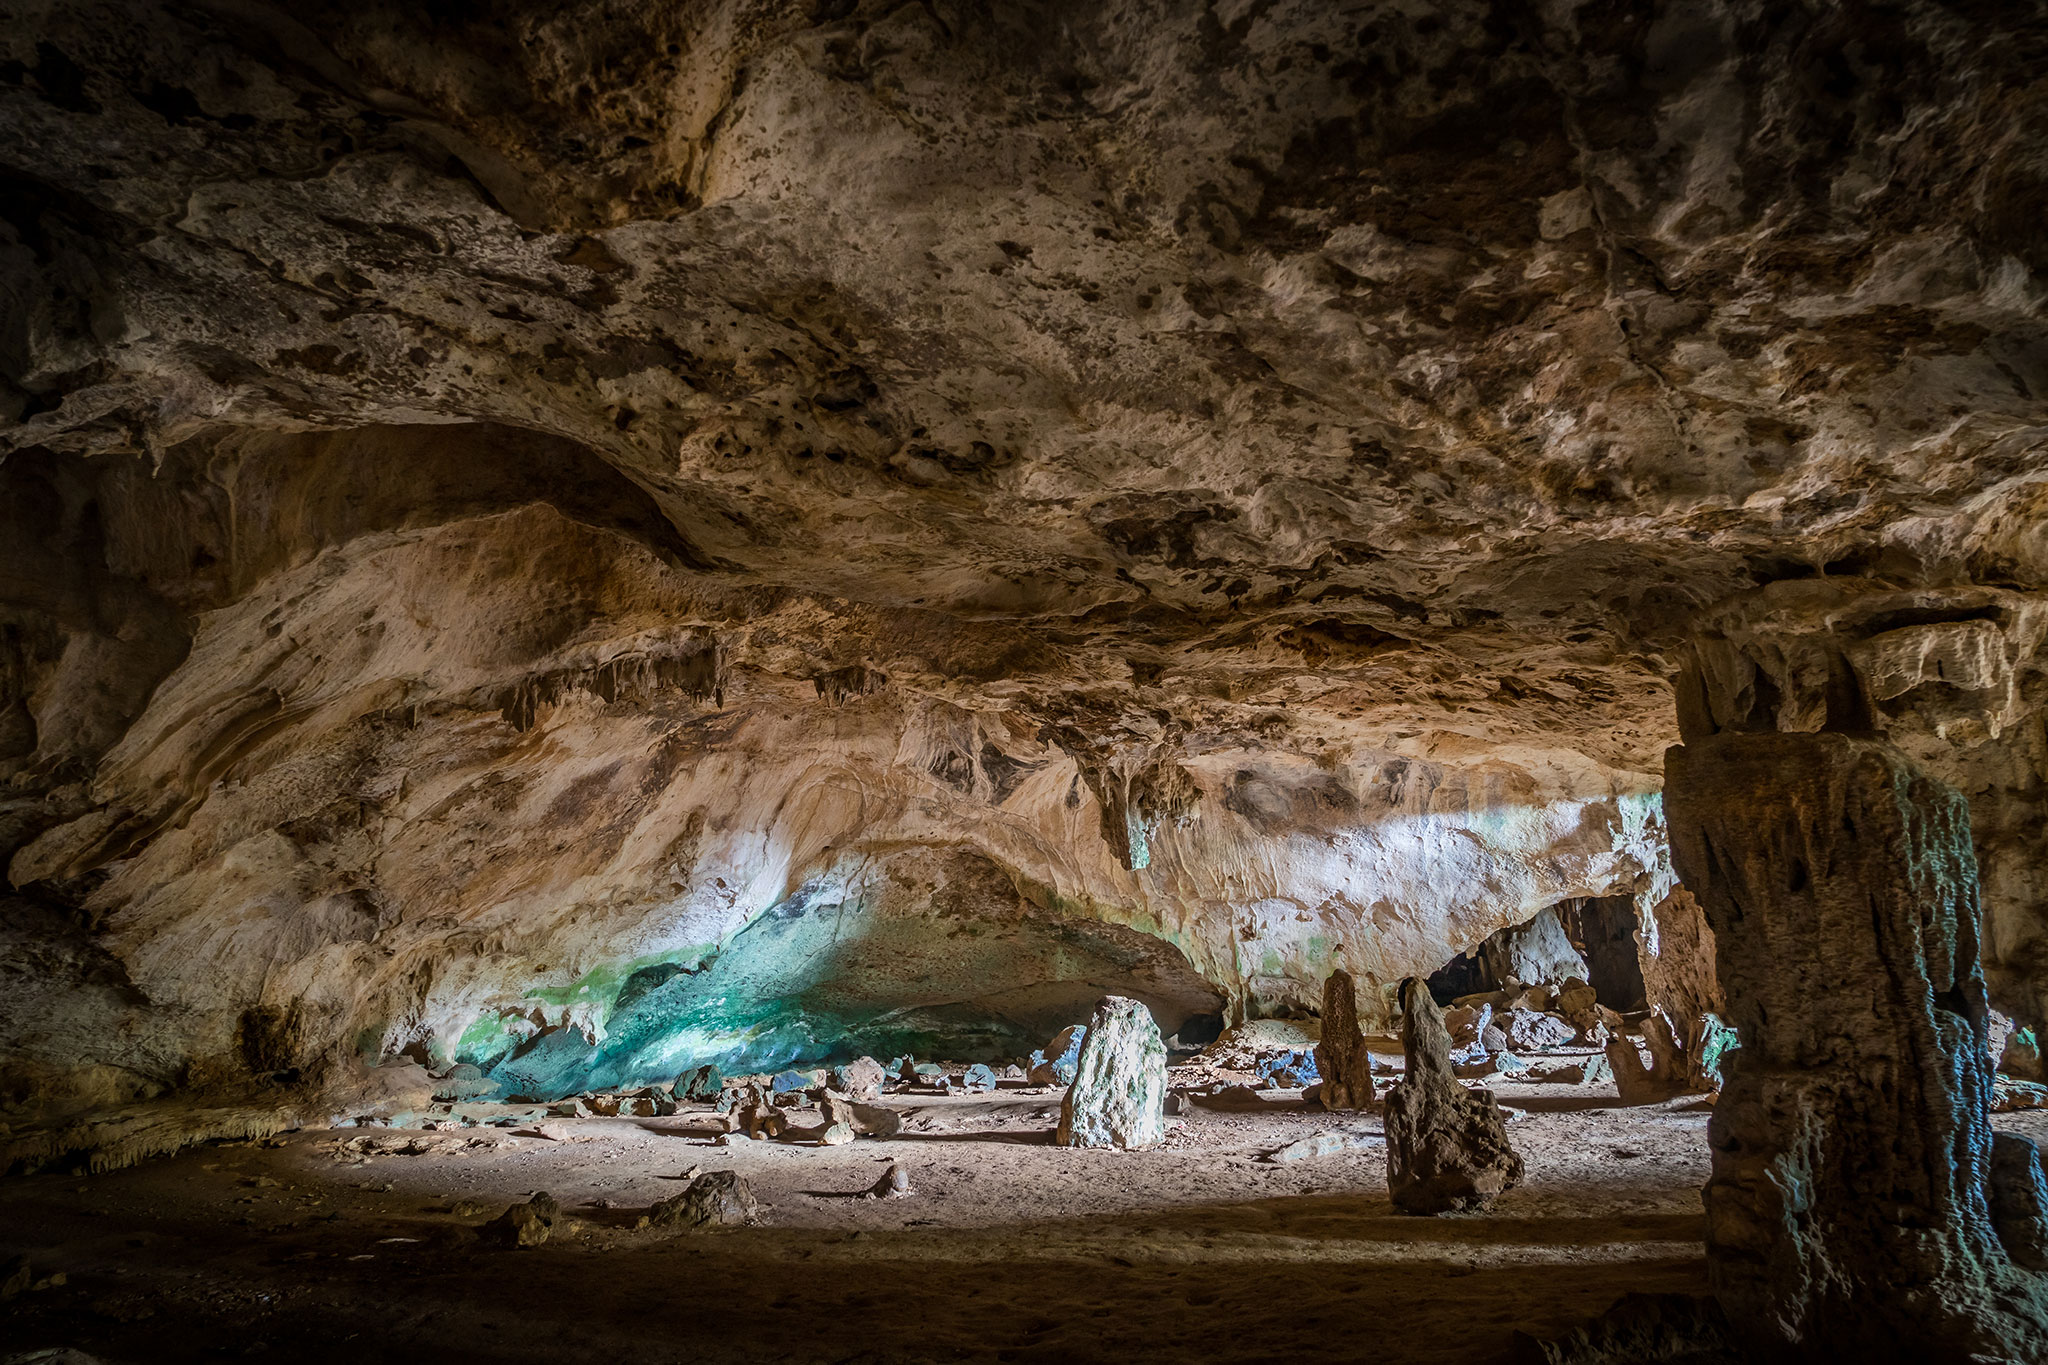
(307,1247)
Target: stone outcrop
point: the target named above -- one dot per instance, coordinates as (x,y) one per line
(1118,1098)
(1341,1057)
(1858,1207)
(1447,1147)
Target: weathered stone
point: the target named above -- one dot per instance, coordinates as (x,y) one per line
(1531,1031)
(700,1085)
(2019,1200)
(1536,952)
(1341,1056)
(836,1134)
(860,1079)
(1287,1070)
(716,1199)
(894,1183)
(524,1225)
(1850,1212)
(1447,1147)
(1321,1144)
(978,1079)
(1054,1063)
(1118,1095)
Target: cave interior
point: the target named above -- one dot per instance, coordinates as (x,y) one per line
(869,682)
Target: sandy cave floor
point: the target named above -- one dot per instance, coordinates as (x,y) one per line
(1010,1249)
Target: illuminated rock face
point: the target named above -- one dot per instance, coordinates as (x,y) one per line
(495,516)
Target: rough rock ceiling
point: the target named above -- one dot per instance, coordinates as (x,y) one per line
(1250,471)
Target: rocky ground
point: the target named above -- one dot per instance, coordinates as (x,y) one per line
(358,1242)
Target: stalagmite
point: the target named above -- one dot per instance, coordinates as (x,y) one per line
(1856,1210)
(1118,1096)
(1341,1056)
(1447,1147)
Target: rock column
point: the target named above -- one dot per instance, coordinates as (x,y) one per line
(1341,1059)
(1447,1147)
(1850,1211)
(1118,1098)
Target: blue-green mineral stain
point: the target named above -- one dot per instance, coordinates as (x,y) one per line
(813,980)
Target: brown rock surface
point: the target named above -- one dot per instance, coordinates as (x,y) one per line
(1856,1197)
(1447,1147)
(1341,1056)
(506,517)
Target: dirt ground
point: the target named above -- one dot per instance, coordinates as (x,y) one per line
(344,1245)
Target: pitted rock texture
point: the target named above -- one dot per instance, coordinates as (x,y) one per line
(1447,1147)
(494,506)
(1857,1201)
(1342,1058)
(1118,1096)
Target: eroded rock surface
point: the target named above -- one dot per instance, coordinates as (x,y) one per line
(516,529)
(1118,1098)
(1342,1062)
(1856,1200)
(1447,1147)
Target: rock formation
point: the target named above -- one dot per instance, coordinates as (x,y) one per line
(1341,1057)
(715,1199)
(1858,1207)
(1118,1097)
(1447,1147)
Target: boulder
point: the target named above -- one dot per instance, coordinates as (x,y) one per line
(1539,950)
(1858,1209)
(1447,1147)
(700,1085)
(1341,1058)
(1118,1094)
(978,1079)
(716,1199)
(1054,1063)
(860,1079)
(1529,1031)
(524,1225)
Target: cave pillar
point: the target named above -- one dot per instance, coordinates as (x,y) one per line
(1342,1059)
(1850,1210)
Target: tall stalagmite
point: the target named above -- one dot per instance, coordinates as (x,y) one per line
(1341,1056)
(1851,1210)
(1447,1147)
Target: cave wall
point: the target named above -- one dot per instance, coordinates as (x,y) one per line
(438,769)
(497,502)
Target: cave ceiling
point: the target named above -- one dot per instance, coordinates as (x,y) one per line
(545,421)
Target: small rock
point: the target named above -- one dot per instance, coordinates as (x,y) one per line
(524,1225)
(861,1079)
(784,1082)
(716,1199)
(1054,1063)
(1322,1144)
(836,1135)
(18,1278)
(876,1120)
(894,1184)
(978,1079)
